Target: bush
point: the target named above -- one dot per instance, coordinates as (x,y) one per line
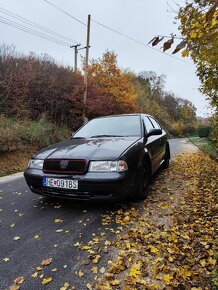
(43,133)
(204,131)
(18,135)
(178,129)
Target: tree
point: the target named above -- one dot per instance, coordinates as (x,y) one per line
(113,86)
(199,26)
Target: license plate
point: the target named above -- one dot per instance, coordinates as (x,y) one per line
(60,183)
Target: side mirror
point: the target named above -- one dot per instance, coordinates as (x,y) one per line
(154,132)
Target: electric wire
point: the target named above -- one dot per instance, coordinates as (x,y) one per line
(32,32)
(118,32)
(31,23)
(138,41)
(66,13)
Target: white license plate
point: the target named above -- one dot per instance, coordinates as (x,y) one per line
(60,183)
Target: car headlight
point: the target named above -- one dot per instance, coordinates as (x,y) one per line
(36,163)
(108,166)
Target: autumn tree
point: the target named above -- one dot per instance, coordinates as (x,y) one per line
(113,86)
(199,26)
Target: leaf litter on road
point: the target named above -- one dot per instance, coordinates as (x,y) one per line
(165,242)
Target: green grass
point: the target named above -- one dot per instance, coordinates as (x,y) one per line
(20,134)
(204,145)
(21,138)
(198,139)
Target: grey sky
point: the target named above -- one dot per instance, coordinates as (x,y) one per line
(139,19)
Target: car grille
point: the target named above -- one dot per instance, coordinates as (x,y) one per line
(65,166)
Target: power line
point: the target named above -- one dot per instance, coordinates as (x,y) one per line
(118,32)
(31,23)
(66,13)
(138,41)
(32,31)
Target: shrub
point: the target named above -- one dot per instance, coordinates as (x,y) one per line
(18,135)
(204,131)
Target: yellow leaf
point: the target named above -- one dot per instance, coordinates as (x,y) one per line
(126,219)
(16,238)
(164,206)
(135,270)
(193,34)
(54,270)
(46,262)
(94,270)
(46,280)
(89,286)
(38,268)
(203,263)
(212,261)
(19,280)
(115,282)
(6,259)
(34,275)
(80,273)
(102,270)
(36,237)
(107,243)
(85,248)
(154,250)
(185,53)
(96,259)
(167,278)
(12,225)
(58,221)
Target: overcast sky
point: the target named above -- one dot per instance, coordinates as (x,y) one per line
(140,19)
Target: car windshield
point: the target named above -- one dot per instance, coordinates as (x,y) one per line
(111,127)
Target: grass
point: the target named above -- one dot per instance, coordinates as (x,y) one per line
(15,161)
(21,138)
(204,145)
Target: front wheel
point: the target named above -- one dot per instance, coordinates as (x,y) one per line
(166,162)
(144,178)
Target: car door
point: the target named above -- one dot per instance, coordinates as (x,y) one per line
(152,144)
(162,139)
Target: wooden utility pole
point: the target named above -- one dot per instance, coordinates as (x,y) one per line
(75,55)
(86,70)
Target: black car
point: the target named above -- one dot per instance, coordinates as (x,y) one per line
(109,157)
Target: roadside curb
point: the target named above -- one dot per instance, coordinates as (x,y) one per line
(11,177)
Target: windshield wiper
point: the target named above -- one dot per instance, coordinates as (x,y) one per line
(97,136)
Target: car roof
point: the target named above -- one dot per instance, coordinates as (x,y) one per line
(122,115)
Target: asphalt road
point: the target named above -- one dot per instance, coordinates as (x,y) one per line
(29,234)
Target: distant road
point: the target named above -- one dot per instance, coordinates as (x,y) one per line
(179,145)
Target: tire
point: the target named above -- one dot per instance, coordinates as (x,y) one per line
(144,178)
(166,162)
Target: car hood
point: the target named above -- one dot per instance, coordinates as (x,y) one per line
(109,148)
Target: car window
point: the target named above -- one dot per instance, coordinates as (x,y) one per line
(148,124)
(155,123)
(111,126)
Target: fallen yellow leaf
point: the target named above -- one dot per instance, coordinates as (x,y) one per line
(46,280)
(46,262)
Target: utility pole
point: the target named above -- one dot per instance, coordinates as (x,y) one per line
(75,54)
(86,70)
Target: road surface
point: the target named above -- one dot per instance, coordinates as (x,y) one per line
(29,234)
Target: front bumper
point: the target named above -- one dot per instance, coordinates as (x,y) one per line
(113,185)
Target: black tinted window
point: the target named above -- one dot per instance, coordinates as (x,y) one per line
(156,125)
(148,124)
(111,126)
